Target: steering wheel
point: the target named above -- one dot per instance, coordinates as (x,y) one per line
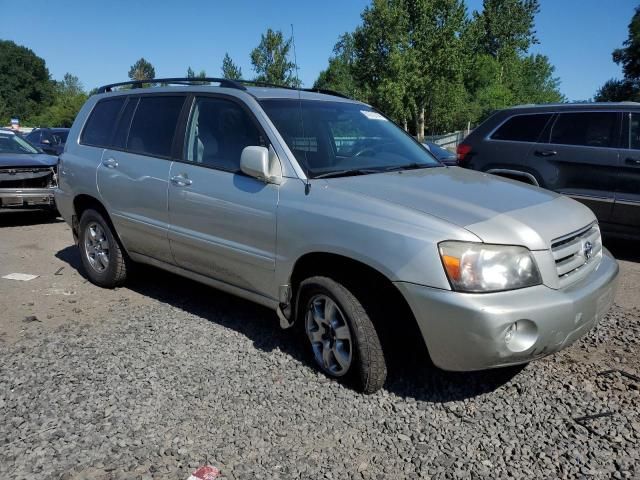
(373,149)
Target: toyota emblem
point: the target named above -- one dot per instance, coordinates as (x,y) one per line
(587,249)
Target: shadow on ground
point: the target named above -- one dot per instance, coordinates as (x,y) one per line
(622,249)
(411,374)
(18,218)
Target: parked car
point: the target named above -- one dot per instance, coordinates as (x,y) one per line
(590,152)
(50,140)
(28,177)
(245,189)
(442,154)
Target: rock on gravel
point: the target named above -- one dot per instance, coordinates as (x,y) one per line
(154,391)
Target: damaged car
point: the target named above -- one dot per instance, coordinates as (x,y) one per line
(28,176)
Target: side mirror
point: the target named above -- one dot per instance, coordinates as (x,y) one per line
(46,142)
(254,161)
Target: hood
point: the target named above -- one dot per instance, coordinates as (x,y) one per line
(27,160)
(495,209)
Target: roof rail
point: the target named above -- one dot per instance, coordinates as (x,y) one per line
(273,85)
(326,91)
(224,82)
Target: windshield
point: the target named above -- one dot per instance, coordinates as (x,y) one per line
(344,138)
(11,143)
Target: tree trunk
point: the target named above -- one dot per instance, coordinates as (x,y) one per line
(420,125)
(405,125)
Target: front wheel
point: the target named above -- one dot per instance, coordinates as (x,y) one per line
(102,257)
(343,339)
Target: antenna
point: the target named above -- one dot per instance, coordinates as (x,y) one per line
(307,185)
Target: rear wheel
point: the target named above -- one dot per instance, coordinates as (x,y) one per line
(102,257)
(344,342)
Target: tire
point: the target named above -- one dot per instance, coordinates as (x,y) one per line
(102,256)
(362,364)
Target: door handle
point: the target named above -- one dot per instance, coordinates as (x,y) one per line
(110,163)
(181,181)
(632,161)
(546,153)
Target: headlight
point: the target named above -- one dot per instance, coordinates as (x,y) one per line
(478,267)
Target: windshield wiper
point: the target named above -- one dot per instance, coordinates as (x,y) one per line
(346,173)
(409,166)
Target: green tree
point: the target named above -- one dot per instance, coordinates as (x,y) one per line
(142,70)
(616,90)
(432,68)
(410,60)
(25,85)
(629,58)
(192,74)
(339,75)
(629,55)
(436,76)
(499,73)
(229,69)
(505,26)
(68,99)
(271,61)
(380,48)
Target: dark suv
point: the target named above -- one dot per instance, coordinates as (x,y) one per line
(590,152)
(50,140)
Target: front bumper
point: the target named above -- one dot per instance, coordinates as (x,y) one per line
(466,331)
(26,197)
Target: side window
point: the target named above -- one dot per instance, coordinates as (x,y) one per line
(154,125)
(522,128)
(49,138)
(124,123)
(591,129)
(97,131)
(634,131)
(217,132)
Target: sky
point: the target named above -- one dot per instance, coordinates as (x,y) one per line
(99,41)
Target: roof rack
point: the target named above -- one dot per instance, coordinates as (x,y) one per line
(224,82)
(324,91)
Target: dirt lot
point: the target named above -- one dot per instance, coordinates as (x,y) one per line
(152,380)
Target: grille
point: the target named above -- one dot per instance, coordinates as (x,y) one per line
(35,177)
(573,255)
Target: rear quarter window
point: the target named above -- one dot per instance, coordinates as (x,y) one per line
(97,131)
(522,128)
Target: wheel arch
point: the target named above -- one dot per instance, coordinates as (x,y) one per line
(82,202)
(357,276)
(514,174)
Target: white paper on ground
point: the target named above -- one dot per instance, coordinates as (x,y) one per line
(23,277)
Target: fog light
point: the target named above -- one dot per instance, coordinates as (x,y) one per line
(513,328)
(521,335)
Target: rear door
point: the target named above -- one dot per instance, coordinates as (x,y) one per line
(222,222)
(507,151)
(626,211)
(134,174)
(583,149)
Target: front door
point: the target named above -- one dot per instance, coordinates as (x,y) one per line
(222,222)
(626,211)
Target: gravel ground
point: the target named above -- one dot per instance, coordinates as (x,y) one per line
(153,380)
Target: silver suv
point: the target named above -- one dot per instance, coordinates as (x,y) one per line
(322,209)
